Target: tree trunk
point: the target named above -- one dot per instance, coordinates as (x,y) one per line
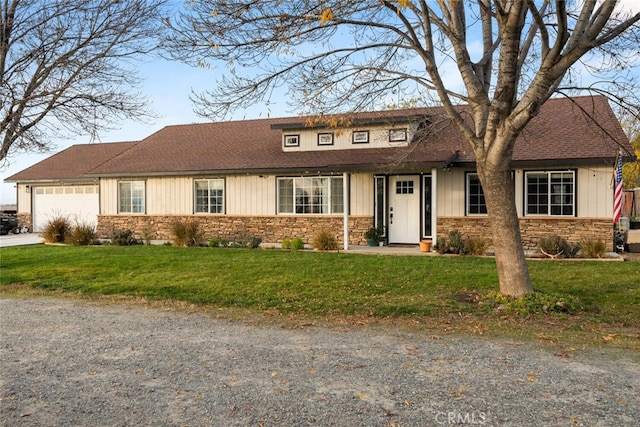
(499,191)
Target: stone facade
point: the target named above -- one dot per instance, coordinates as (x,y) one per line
(271,229)
(275,229)
(24,220)
(573,229)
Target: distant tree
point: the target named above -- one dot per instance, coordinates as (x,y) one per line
(65,67)
(503,58)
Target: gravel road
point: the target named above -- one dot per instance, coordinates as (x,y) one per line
(77,363)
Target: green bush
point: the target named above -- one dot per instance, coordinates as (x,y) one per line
(82,235)
(217,242)
(294,245)
(123,238)
(593,248)
(186,233)
(57,230)
(325,241)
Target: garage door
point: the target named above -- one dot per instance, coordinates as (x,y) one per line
(78,203)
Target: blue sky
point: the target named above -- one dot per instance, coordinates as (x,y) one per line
(167,85)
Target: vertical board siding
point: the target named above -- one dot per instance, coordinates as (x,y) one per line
(361,197)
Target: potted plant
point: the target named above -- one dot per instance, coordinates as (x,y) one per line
(634,223)
(373,235)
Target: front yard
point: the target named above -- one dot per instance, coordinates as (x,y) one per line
(584,301)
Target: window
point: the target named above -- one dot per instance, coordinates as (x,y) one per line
(131,196)
(310,195)
(291,140)
(397,135)
(404,187)
(209,196)
(360,137)
(476,204)
(325,139)
(380,201)
(550,193)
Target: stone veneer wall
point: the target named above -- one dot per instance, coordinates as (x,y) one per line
(272,229)
(24,220)
(532,230)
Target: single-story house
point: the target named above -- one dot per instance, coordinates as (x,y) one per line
(279,178)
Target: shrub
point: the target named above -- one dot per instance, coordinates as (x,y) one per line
(441,245)
(297,244)
(593,248)
(294,245)
(241,239)
(455,243)
(186,233)
(476,246)
(123,238)
(325,241)
(147,234)
(558,247)
(83,234)
(254,242)
(57,230)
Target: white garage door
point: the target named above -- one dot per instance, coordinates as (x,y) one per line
(77,203)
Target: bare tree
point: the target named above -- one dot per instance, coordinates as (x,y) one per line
(510,57)
(65,67)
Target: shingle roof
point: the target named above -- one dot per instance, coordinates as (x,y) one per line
(72,163)
(560,133)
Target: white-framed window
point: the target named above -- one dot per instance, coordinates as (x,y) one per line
(131,195)
(310,195)
(396,135)
(325,138)
(476,204)
(209,195)
(360,137)
(291,140)
(550,193)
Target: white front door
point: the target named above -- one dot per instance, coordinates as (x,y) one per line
(404,209)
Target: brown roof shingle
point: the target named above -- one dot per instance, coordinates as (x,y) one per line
(72,163)
(561,133)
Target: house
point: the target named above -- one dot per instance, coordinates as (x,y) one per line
(279,178)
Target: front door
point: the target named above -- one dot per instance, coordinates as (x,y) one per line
(404,209)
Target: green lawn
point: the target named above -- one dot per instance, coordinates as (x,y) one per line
(329,285)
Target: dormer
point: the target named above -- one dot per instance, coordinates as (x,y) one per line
(344,133)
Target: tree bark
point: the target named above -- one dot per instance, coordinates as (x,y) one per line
(499,191)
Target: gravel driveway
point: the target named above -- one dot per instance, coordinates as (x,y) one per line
(77,363)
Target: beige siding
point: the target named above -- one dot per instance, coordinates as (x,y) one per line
(24,198)
(169,196)
(361,197)
(594,196)
(450,192)
(108,196)
(595,192)
(251,195)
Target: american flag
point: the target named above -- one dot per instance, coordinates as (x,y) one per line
(618,190)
